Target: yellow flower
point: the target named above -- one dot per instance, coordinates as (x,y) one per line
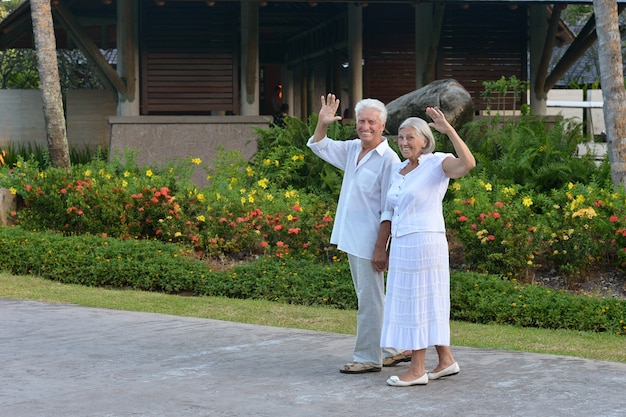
(267,161)
(196,161)
(242,191)
(149,173)
(456,186)
(527,202)
(587,212)
(200,197)
(250,199)
(570,185)
(42,174)
(263,183)
(126,174)
(88,173)
(290,217)
(124,183)
(508,191)
(201,218)
(243,200)
(249,171)
(276,163)
(177,234)
(13,190)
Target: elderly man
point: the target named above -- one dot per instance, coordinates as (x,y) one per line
(357,228)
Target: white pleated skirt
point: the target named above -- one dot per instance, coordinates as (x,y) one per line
(417,302)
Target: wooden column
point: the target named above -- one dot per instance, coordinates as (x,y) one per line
(249,58)
(128,56)
(355,40)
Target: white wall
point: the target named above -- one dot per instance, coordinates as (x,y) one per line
(87,112)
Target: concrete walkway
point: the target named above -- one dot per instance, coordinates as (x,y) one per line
(66,361)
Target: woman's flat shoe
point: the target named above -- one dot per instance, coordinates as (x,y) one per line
(395,381)
(450,370)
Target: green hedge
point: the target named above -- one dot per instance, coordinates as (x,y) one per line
(157,266)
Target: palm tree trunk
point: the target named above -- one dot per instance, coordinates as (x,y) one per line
(612,81)
(54,116)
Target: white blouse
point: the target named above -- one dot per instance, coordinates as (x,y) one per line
(414,201)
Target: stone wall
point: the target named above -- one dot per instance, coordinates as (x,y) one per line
(158,139)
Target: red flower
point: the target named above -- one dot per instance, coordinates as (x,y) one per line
(297,208)
(613,219)
(462,219)
(498,204)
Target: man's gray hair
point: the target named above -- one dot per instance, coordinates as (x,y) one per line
(372,103)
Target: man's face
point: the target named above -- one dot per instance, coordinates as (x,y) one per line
(369,127)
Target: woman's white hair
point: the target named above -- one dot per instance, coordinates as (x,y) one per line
(422,129)
(372,103)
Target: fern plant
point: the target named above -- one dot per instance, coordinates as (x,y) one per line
(284,158)
(531,152)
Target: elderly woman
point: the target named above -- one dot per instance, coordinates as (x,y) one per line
(417,303)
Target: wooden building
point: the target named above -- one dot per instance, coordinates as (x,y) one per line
(224,58)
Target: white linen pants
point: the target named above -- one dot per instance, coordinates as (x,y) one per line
(370,292)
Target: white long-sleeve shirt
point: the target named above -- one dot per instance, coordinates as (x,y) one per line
(363,192)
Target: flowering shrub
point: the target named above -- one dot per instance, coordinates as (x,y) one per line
(237,213)
(509,230)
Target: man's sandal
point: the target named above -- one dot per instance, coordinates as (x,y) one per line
(359,368)
(394,360)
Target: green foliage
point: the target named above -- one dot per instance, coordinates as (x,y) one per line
(41,155)
(531,153)
(285,160)
(489,299)
(512,231)
(121,225)
(157,266)
(497,92)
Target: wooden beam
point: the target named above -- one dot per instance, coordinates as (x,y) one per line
(89,49)
(548,47)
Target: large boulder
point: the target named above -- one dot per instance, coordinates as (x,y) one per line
(449,95)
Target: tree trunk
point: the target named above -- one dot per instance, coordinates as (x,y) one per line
(612,80)
(45,44)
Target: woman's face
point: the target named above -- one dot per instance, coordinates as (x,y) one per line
(411,145)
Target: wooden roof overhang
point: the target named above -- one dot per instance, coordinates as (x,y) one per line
(91,25)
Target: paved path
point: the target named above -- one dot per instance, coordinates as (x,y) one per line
(68,361)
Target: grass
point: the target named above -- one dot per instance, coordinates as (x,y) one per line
(600,346)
